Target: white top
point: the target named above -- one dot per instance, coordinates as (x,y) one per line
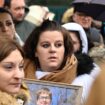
(96,71)
(86,82)
(18,39)
(40,74)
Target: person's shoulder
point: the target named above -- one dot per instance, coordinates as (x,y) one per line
(30,24)
(93,29)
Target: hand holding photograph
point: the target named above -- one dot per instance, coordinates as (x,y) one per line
(53,93)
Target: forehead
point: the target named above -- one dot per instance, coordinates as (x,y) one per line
(5,16)
(44,94)
(17,3)
(12,56)
(81,14)
(51,35)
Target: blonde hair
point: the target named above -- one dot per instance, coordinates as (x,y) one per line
(67,16)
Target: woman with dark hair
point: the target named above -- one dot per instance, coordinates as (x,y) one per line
(7,26)
(49,57)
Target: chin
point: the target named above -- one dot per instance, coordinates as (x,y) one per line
(53,68)
(14,91)
(86,27)
(20,19)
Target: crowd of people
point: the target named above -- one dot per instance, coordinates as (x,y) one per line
(71,53)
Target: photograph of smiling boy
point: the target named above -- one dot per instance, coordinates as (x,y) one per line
(43,96)
(51,93)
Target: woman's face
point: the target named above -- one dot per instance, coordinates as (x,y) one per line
(44,99)
(11,72)
(50,50)
(6,25)
(76,42)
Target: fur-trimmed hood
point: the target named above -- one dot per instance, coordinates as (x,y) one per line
(85,64)
(7,99)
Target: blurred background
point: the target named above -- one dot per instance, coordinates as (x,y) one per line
(56,6)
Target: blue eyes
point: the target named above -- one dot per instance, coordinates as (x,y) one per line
(10,67)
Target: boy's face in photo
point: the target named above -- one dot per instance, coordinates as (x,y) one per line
(44,99)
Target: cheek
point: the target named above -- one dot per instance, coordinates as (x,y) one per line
(89,22)
(22,74)
(76,19)
(39,102)
(61,53)
(41,57)
(12,35)
(5,76)
(40,53)
(3,82)
(75,46)
(12,30)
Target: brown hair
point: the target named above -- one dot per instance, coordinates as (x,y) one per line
(32,40)
(8,45)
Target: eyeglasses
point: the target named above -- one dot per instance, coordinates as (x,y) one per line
(44,97)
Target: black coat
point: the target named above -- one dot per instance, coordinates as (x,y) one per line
(85,64)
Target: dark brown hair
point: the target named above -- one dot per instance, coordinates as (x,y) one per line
(47,25)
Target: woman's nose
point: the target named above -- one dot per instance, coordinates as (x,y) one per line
(19,73)
(52,48)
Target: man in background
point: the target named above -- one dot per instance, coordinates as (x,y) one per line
(85,20)
(19,10)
